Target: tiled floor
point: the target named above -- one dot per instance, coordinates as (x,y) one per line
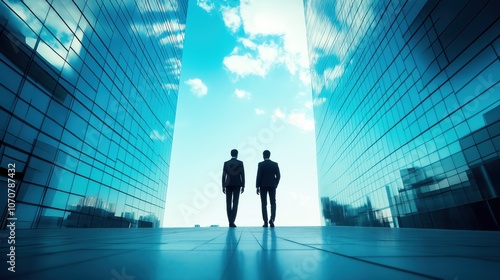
(253,253)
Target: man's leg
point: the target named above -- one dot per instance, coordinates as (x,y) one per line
(263,202)
(228,203)
(272,198)
(236,198)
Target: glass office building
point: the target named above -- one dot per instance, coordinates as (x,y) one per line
(88,99)
(407,110)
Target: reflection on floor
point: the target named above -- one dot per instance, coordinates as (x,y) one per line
(253,253)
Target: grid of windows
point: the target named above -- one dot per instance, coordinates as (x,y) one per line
(407,112)
(89,93)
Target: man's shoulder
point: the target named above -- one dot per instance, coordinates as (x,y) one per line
(267,163)
(233,160)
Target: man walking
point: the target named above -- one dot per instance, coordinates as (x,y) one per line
(268,177)
(233,181)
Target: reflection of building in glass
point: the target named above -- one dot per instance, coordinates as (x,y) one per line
(406,108)
(89,93)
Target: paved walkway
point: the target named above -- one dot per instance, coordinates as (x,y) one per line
(253,253)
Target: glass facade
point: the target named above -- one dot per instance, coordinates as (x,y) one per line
(89,94)
(407,110)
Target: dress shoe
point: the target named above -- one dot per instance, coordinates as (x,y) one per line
(265,225)
(271,223)
(232,225)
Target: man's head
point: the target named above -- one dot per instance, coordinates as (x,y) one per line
(266,154)
(234,153)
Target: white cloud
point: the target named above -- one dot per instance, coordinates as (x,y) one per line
(274,36)
(206,5)
(231,18)
(242,93)
(252,58)
(278,113)
(244,65)
(297,118)
(308,104)
(300,120)
(197,87)
(259,111)
(248,43)
(267,19)
(305,76)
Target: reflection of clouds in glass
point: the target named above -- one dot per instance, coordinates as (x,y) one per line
(167,132)
(174,66)
(58,35)
(169,125)
(155,135)
(330,75)
(156,6)
(319,101)
(173,39)
(345,28)
(168,32)
(170,86)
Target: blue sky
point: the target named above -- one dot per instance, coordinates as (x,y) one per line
(244,84)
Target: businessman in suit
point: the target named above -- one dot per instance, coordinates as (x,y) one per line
(233,182)
(268,177)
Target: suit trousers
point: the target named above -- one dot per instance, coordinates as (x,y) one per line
(272,200)
(232,199)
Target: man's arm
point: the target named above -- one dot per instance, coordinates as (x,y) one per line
(224,174)
(242,178)
(242,175)
(257,181)
(278,175)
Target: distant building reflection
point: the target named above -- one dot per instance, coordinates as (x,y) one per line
(337,214)
(93,212)
(460,191)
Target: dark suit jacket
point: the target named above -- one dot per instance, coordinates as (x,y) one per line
(233,173)
(268,174)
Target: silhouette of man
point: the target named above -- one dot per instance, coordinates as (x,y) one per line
(268,177)
(233,181)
